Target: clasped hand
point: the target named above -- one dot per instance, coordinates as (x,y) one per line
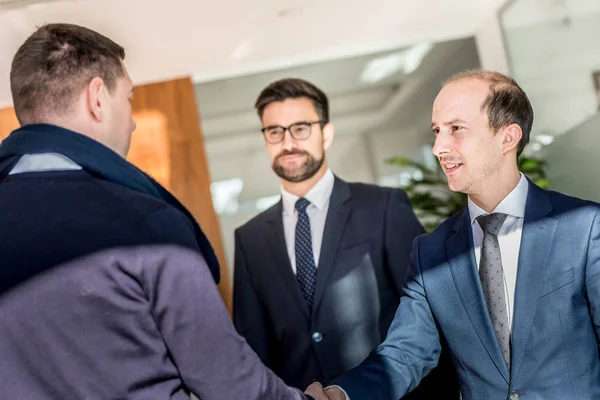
(317,391)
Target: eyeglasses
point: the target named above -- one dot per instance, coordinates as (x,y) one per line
(300,131)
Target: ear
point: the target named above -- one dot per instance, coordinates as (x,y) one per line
(94,93)
(512,137)
(328,134)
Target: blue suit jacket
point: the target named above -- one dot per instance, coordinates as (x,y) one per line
(556,313)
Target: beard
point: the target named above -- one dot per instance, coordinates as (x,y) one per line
(476,183)
(305,171)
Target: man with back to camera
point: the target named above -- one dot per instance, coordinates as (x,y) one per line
(512,281)
(318,276)
(107,284)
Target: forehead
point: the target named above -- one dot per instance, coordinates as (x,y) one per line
(460,99)
(289,111)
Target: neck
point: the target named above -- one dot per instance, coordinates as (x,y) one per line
(301,188)
(494,192)
(59,122)
(83,129)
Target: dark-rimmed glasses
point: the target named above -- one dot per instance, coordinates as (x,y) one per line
(300,131)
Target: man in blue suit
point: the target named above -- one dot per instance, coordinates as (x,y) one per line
(511,283)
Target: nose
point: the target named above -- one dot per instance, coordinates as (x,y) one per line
(441,145)
(288,141)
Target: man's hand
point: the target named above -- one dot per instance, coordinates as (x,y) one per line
(316,390)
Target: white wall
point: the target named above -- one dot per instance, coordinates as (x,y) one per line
(490,46)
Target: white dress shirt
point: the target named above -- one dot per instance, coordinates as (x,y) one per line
(319,197)
(509,240)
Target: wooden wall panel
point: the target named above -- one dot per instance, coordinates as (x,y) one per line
(8,122)
(168,144)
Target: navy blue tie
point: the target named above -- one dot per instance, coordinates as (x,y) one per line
(306,269)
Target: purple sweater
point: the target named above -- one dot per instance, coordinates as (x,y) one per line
(145,322)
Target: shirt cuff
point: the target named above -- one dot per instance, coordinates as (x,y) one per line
(341,389)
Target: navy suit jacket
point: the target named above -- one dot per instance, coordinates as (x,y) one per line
(556,313)
(364,257)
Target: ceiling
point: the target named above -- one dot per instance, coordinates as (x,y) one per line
(218,39)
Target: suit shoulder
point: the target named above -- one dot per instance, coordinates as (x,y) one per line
(573,210)
(258,220)
(442,231)
(563,202)
(360,187)
(369,190)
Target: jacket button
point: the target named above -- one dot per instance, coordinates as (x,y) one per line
(317,337)
(514,395)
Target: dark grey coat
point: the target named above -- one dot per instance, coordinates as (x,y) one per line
(142,322)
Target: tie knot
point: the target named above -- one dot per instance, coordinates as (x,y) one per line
(491,223)
(301,204)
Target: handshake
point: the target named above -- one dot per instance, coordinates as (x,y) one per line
(317,392)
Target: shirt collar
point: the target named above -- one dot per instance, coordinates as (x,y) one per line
(39,162)
(513,204)
(318,195)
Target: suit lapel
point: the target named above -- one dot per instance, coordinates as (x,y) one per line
(536,246)
(461,257)
(335,224)
(276,243)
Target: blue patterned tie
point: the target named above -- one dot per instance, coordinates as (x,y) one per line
(306,270)
(492,279)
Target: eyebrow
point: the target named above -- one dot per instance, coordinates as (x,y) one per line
(454,121)
(272,126)
(281,126)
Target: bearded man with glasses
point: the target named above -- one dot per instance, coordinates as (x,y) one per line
(318,276)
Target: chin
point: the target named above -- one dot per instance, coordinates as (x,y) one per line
(457,187)
(453,185)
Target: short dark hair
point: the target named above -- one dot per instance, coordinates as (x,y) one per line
(293,88)
(505,104)
(55,63)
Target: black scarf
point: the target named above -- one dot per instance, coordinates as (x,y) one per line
(101,162)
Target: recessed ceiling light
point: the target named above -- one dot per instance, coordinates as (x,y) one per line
(407,61)
(535,147)
(544,139)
